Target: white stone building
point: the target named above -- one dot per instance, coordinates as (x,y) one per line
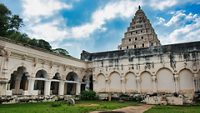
(140,66)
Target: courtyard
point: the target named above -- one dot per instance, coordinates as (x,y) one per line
(89,106)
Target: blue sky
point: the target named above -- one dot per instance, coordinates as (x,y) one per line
(99,25)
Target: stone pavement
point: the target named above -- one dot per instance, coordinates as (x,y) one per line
(129,109)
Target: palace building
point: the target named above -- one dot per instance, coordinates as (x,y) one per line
(141,66)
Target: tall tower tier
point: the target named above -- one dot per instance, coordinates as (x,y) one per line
(140,33)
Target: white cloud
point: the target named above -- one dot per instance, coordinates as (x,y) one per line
(188,28)
(34,10)
(160,20)
(52,31)
(123,9)
(162,4)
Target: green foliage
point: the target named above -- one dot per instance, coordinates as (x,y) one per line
(56,104)
(88,95)
(174,109)
(8,21)
(80,107)
(61,51)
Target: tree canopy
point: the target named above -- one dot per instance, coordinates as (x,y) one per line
(9,28)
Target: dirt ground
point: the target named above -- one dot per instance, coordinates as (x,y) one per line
(129,109)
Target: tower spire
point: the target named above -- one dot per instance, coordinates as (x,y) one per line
(139,7)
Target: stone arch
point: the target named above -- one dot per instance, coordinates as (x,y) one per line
(87,82)
(70,86)
(55,84)
(186,81)
(18,81)
(15,68)
(130,82)
(115,82)
(146,82)
(165,81)
(39,69)
(39,85)
(101,83)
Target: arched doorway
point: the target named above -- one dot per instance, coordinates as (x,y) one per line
(71,83)
(39,85)
(18,81)
(55,84)
(83,84)
(87,83)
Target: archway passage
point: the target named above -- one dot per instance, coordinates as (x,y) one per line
(165,81)
(18,81)
(87,83)
(39,85)
(70,86)
(55,84)
(83,84)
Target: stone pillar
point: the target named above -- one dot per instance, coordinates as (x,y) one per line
(138,81)
(17,85)
(154,83)
(177,84)
(107,88)
(30,85)
(78,88)
(61,88)
(196,82)
(123,81)
(47,87)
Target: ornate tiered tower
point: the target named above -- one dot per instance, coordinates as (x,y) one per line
(140,33)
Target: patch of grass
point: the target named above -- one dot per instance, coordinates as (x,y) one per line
(79,107)
(175,109)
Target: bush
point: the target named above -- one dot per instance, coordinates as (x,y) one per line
(56,104)
(88,95)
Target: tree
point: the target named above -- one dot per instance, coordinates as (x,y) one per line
(4,19)
(61,51)
(44,44)
(8,21)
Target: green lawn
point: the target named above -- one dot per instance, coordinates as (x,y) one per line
(175,109)
(80,107)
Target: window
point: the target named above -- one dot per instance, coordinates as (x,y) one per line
(129,40)
(136,38)
(151,44)
(127,47)
(134,46)
(136,32)
(142,45)
(142,37)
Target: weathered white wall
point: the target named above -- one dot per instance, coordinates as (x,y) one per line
(146,83)
(131,85)
(115,82)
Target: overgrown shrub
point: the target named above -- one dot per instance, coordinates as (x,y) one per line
(88,95)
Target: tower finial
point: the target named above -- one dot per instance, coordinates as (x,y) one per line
(139,7)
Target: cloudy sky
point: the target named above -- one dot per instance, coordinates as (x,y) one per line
(99,25)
